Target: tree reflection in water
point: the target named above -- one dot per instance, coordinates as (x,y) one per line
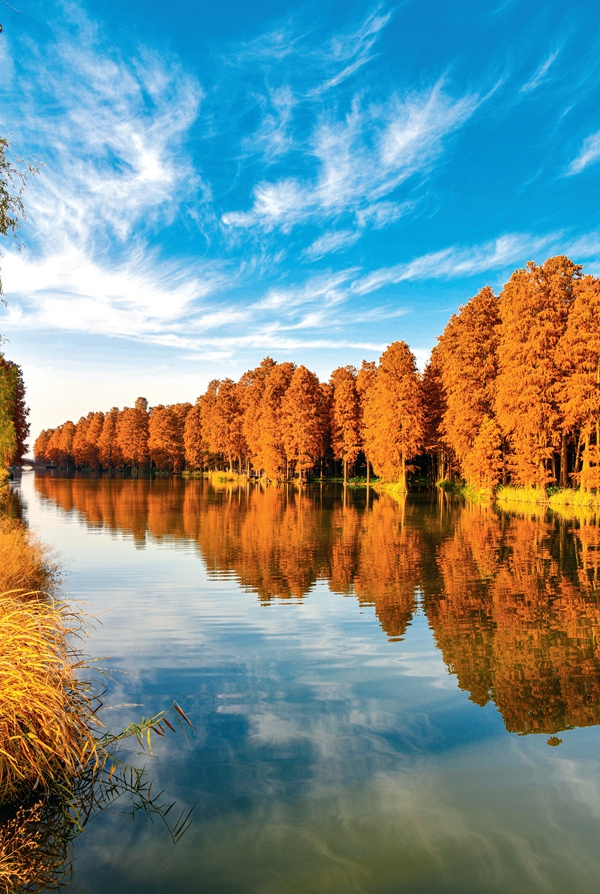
(512,600)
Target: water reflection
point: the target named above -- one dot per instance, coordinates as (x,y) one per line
(512,600)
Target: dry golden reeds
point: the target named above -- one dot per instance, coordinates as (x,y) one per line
(508,494)
(52,746)
(44,716)
(24,563)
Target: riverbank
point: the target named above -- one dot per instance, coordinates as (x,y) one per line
(58,765)
(45,715)
(509,497)
(558,498)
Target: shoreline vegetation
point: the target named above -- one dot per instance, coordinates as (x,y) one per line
(58,765)
(506,496)
(510,397)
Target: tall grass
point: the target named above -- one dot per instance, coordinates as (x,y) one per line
(560,499)
(510,494)
(25,564)
(56,761)
(45,714)
(577,499)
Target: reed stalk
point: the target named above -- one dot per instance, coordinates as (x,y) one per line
(58,766)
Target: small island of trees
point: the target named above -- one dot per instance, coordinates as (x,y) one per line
(511,394)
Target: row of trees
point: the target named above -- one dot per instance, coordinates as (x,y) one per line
(511,393)
(277,419)
(513,385)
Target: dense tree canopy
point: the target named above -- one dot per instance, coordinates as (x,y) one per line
(511,393)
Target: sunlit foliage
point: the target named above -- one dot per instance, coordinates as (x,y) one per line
(510,395)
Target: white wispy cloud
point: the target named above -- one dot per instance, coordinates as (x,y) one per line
(325,289)
(353,50)
(274,136)
(541,73)
(333,241)
(360,160)
(512,248)
(587,155)
(113,134)
(70,290)
(297,43)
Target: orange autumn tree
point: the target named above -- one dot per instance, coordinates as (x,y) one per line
(302,425)
(484,463)
(579,395)
(270,455)
(165,439)
(192,438)
(79,441)
(206,402)
(40,447)
(180,411)
(225,424)
(85,442)
(440,456)
(468,361)
(534,307)
(132,435)
(365,380)
(250,390)
(345,416)
(93,432)
(110,455)
(394,414)
(65,445)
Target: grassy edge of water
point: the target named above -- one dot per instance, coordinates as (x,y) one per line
(58,766)
(560,499)
(563,500)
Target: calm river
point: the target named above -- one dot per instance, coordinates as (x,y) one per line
(387,697)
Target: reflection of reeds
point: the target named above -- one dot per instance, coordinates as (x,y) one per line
(33,850)
(35,839)
(55,760)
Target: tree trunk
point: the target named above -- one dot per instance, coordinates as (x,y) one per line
(368,471)
(586,459)
(564,478)
(577,454)
(345,472)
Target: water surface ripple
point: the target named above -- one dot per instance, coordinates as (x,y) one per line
(373,683)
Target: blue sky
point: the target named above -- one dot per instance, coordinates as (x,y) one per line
(228,180)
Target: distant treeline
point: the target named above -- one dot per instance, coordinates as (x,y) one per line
(511,393)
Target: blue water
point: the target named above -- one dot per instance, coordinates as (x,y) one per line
(338,745)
